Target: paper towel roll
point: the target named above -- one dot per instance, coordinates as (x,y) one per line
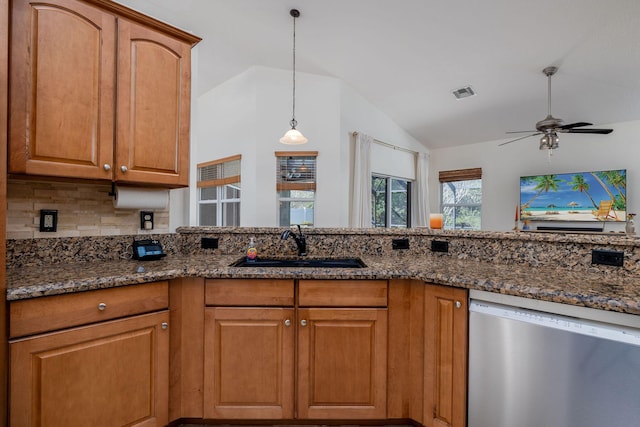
(140,198)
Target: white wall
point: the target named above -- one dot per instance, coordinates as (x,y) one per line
(503,166)
(359,115)
(249,113)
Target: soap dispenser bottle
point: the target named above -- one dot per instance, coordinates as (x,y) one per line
(252,252)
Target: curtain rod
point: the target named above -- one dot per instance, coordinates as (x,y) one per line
(386,144)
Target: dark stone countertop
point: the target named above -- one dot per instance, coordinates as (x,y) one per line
(606,291)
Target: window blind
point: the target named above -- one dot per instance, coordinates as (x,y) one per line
(219,172)
(296,170)
(460,175)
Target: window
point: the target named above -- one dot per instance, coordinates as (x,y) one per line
(296,187)
(461,198)
(390,202)
(219,192)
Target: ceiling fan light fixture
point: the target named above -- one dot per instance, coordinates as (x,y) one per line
(549,141)
(294,136)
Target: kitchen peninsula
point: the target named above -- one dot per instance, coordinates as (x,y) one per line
(180,303)
(550,266)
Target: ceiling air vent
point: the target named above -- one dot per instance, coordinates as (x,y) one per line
(464,92)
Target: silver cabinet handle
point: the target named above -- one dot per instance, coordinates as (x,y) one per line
(123,169)
(106,167)
(303,322)
(164,325)
(102,306)
(458,304)
(287,322)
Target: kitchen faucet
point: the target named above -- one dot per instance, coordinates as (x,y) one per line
(300,238)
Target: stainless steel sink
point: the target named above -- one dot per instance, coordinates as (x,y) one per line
(299,262)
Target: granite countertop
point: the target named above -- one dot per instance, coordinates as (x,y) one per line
(595,290)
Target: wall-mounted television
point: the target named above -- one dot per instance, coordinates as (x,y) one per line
(583,196)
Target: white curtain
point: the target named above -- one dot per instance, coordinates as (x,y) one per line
(361,200)
(421,203)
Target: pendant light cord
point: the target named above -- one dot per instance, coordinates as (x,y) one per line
(293,115)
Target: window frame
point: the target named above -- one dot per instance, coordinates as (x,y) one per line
(224,179)
(459,175)
(293,184)
(389,200)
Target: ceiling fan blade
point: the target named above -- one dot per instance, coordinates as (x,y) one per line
(518,139)
(575,125)
(596,131)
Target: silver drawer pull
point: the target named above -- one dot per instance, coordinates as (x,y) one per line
(123,169)
(107,167)
(458,304)
(287,322)
(164,325)
(303,322)
(102,306)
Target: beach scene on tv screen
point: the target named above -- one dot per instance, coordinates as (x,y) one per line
(583,196)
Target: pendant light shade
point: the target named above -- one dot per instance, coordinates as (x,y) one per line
(293,136)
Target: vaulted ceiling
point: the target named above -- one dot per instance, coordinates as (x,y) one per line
(407,56)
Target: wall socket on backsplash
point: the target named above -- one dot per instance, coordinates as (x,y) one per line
(400,244)
(439,246)
(209,243)
(603,257)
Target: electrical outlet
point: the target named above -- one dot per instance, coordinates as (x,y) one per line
(439,246)
(209,243)
(146,220)
(400,244)
(48,221)
(603,257)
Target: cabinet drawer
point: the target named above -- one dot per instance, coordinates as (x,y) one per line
(32,316)
(249,292)
(342,293)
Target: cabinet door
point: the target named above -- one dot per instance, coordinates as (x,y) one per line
(249,361)
(111,374)
(62,89)
(342,363)
(445,386)
(154,78)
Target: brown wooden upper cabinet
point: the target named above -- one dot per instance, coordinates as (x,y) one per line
(98,91)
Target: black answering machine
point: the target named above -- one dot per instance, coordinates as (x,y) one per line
(146,250)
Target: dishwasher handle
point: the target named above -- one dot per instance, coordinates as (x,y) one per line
(593,328)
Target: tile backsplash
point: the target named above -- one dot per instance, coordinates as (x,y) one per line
(83,210)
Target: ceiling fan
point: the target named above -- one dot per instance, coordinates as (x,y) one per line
(550,126)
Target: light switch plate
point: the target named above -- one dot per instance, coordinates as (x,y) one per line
(48,221)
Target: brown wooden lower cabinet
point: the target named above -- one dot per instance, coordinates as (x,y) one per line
(445,338)
(249,359)
(105,375)
(342,363)
(303,350)
(288,362)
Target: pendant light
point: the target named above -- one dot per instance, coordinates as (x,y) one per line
(293,135)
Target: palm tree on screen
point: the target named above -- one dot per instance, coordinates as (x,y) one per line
(544,184)
(578,183)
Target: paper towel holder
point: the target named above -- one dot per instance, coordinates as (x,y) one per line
(112,193)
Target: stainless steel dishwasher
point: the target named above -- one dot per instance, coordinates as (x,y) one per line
(540,364)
